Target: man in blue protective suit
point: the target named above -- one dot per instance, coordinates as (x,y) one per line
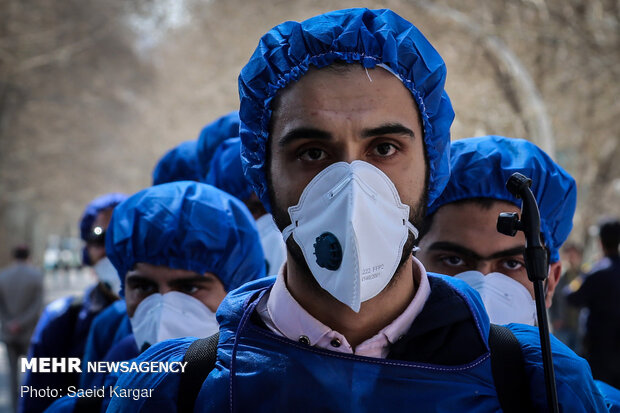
(178,248)
(460,237)
(112,325)
(189,160)
(174,242)
(345,139)
(63,327)
(226,173)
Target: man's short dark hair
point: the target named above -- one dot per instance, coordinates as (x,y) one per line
(21,252)
(609,233)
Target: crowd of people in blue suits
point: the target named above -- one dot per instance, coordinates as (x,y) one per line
(328,248)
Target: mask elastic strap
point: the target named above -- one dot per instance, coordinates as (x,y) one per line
(286,232)
(412,229)
(415,233)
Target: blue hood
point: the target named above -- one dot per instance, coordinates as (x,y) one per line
(481,166)
(189,226)
(212,135)
(178,164)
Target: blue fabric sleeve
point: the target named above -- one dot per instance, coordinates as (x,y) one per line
(577,391)
(101,337)
(63,405)
(110,382)
(165,386)
(125,349)
(52,338)
(612,396)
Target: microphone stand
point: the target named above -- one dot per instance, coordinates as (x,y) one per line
(535,256)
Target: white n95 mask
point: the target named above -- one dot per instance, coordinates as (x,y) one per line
(172,315)
(107,274)
(351,227)
(505,299)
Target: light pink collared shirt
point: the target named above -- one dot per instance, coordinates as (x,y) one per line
(286,317)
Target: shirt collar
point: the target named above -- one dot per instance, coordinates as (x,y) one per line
(289,317)
(293,321)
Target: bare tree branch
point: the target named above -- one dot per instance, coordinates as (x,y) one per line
(531,102)
(62,53)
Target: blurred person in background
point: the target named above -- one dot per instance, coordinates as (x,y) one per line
(599,292)
(21,301)
(63,328)
(226,173)
(563,317)
(178,249)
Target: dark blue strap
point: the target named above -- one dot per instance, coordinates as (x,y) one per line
(508,367)
(200,358)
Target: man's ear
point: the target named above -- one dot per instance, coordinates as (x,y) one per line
(555,271)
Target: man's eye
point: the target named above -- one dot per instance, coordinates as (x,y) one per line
(143,288)
(453,261)
(385,149)
(512,265)
(312,154)
(188,289)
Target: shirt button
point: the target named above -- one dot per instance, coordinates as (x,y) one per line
(304,340)
(335,343)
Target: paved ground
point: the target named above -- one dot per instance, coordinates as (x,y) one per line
(56,285)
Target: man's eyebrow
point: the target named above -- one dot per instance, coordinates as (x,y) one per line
(459,249)
(138,278)
(388,129)
(303,133)
(508,253)
(456,248)
(194,279)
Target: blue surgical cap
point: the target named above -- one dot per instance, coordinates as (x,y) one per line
(89,215)
(367,37)
(189,226)
(212,135)
(226,172)
(481,167)
(95,206)
(178,164)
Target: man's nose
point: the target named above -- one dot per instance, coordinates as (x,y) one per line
(163,289)
(484,267)
(350,151)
